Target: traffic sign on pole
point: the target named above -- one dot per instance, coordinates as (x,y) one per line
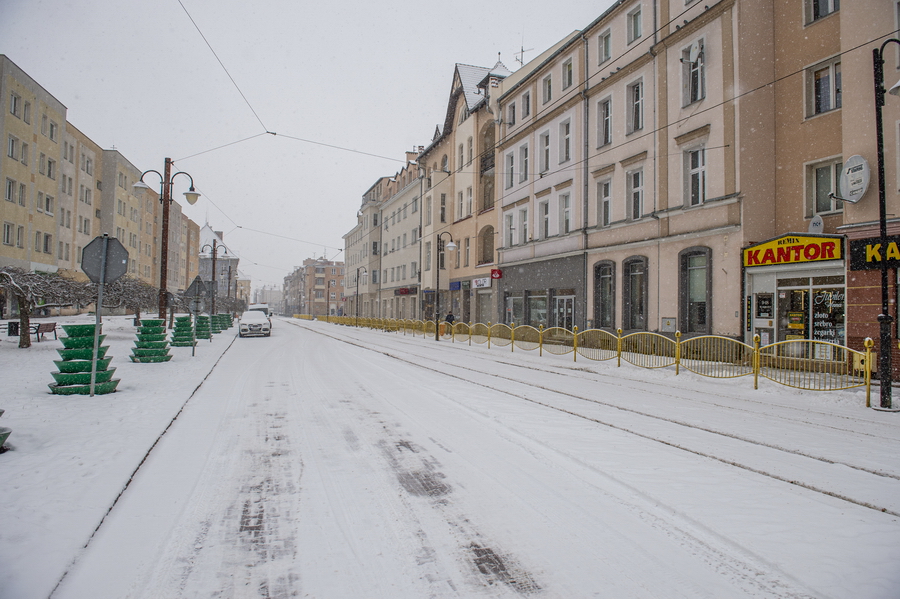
(116,260)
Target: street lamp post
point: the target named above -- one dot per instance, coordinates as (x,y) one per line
(215,248)
(437,285)
(165,197)
(361,268)
(884,319)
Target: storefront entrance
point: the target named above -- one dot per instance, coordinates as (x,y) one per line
(796,293)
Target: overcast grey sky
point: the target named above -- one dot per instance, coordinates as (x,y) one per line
(374,77)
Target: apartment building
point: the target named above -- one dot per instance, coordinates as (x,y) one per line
(80,214)
(125,213)
(399,260)
(293,292)
(459,200)
(362,249)
(32,122)
(323,287)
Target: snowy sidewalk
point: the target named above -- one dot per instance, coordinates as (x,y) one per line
(71,456)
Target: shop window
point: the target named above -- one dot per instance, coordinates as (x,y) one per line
(694,289)
(634,293)
(604,295)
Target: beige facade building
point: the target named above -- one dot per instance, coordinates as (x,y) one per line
(398,260)
(82,169)
(460,199)
(362,249)
(32,122)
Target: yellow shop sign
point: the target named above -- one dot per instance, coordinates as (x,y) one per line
(793,249)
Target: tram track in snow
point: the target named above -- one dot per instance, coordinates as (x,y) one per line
(798,474)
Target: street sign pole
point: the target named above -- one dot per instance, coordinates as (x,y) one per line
(104,260)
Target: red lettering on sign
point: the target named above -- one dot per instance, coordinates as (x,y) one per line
(752,257)
(812,251)
(797,249)
(768,257)
(828,248)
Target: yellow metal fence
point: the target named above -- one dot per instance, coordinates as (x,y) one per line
(802,364)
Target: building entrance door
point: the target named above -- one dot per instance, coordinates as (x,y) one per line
(565,312)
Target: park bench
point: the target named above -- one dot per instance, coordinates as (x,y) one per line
(36,329)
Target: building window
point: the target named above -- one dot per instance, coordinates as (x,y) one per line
(822,181)
(544,222)
(824,84)
(604,47)
(467,247)
(10,194)
(523,226)
(8,233)
(24,154)
(565,141)
(26,112)
(635,184)
(469,153)
(523,163)
(12,147)
(486,246)
(469,201)
(15,104)
(635,107)
(604,122)
(567,74)
(604,295)
(634,298)
(565,213)
(545,152)
(510,169)
(693,73)
(694,289)
(23,194)
(526,104)
(695,176)
(634,25)
(427,255)
(547,87)
(54,130)
(511,112)
(604,202)
(443,207)
(48,243)
(816,9)
(20,236)
(428,211)
(509,228)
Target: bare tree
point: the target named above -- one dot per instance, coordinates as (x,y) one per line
(44,290)
(133,294)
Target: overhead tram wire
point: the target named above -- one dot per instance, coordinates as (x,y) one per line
(223,66)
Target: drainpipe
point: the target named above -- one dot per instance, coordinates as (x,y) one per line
(586,173)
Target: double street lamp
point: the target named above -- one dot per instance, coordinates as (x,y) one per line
(884,319)
(361,268)
(215,249)
(165,197)
(439,254)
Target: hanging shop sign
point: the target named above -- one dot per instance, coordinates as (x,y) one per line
(455,285)
(496,273)
(867,254)
(405,291)
(795,249)
(482,283)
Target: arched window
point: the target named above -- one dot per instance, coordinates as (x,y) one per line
(486,245)
(634,293)
(695,289)
(445,164)
(605,295)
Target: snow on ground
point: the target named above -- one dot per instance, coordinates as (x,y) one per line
(334,462)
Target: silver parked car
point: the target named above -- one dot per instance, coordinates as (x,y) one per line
(254,323)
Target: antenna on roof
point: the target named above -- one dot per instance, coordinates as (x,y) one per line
(520,55)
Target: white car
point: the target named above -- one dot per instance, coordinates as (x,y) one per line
(254,323)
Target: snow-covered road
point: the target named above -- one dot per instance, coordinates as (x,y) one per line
(332,462)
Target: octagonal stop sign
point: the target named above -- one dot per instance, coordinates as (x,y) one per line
(116,259)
